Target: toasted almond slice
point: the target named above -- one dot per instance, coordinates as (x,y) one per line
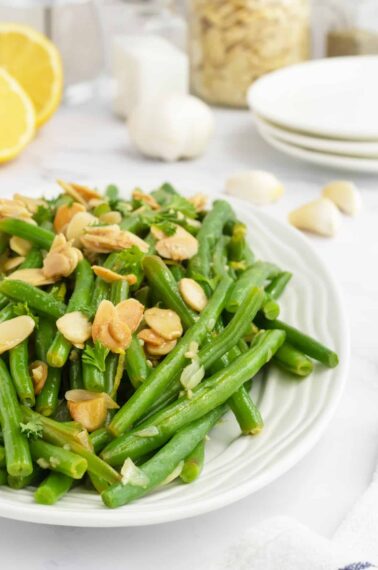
(182,245)
(14,209)
(79,395)
(34,277)
(164,322)
(109,329)
(111,218)
(64,215)
(31,204)
(14,331)
(86,192)
(38,371)
(19,245)
(75,327)
(199,201)
(131,313)
(70,190)
(146,199)
(13,262)
(62,258)
(111,276)
(162,349)
(77,225)
(193,294)
(157,233)
(151,337)
(91,414)
(105,239)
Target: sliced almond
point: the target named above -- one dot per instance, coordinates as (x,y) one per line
(77,225)
(162,349)
(320,217)
(75,327)
(146,199)
(151,337)
(111,276)
(62,258)
(164,322)
(14,209)
(14,331)
(79,192)
(19,245)
(12,263)
(130,312)
(34,277)
(89,408)
(111,218)
(182,245)
(345,195)
(105,239)
(193,294)
(39,372)
(109,329)
(64,215)
(157,233)
(199,201)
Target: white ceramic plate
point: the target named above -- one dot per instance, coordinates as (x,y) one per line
(353,149)
(296,413)
(349,163)
(334,97)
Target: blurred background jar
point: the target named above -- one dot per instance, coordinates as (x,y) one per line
(353,29)
(234,42)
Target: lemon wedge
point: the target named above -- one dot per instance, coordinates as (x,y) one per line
(17,117)
(34,61)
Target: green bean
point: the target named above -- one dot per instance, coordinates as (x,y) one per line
(60,348)
(178,272)
(20,482)
(164,285)
(42,302)
(93,378)
(248,415)
(64,435)
(119,291)
(255,275)
(37,235)
(2,456)
(19,367)
(211,393)
(220,261)
(75,372)
(136,364)
(4,242)
(33,259)
(99,438)
(165,461)
(193,464)
(7,313)
(270,309)
(53,488)
(303,342)
(278,284)
(209,234)
(3,477)
(50,456)
(292,360)
(160,377)
(47,399)
(18,459)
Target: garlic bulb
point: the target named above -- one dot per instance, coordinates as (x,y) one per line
(345,195)
(256,186)
(171,127)
(320,217)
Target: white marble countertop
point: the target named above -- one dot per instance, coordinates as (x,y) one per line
(89,143)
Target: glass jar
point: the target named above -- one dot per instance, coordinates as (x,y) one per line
(353,28)
(234,42)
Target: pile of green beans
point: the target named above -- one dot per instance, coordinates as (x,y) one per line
(159,431)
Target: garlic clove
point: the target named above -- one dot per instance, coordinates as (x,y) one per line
(320,217)
(38,371)
(345,195)
(164,322)
(256,186)
(75,327)
(193,294)
(14,331)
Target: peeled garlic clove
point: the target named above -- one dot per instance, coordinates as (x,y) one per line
(320,217)
(39,371)
(75,327)
(256,186)
(164,322)
(345,195)
(14,331)
(193,294)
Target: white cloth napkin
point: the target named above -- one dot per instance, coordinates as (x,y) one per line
(284,544)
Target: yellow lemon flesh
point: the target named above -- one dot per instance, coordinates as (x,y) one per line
(35,63)
(17,117)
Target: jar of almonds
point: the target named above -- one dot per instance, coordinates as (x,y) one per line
(233,42)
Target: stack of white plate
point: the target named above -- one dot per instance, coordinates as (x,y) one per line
(323,111)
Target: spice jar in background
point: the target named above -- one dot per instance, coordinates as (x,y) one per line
(234,42)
